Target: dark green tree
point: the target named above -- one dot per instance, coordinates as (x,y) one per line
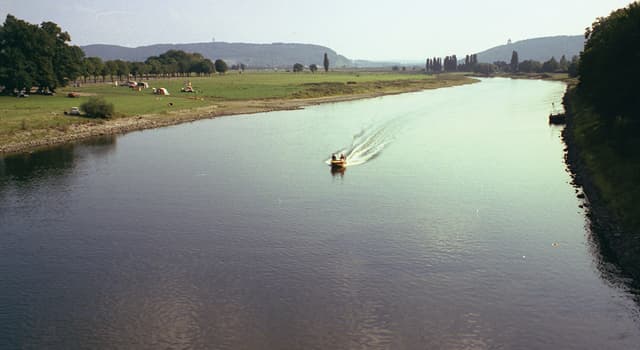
(608,69)
(32,55)
(325,62)
(514,61)
(221,66)
(572,69)
(551,65)
(298,67)
(563,64)
(313,68)
(530,66)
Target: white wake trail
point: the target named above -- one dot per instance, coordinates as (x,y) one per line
(370,142)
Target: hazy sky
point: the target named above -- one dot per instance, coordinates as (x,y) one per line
(380,30)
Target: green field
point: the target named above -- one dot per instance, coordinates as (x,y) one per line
(34,117)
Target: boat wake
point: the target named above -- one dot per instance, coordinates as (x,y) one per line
(369,143)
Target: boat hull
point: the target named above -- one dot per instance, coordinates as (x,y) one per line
(338,163)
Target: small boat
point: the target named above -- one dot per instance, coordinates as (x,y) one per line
(338,163)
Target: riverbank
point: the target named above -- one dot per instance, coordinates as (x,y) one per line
(37,121)
(532,76)
(609,182)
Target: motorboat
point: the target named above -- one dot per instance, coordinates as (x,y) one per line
(339,163)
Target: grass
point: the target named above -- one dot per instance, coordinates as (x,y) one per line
(36,117)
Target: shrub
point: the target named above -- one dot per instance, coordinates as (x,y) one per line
(97,107)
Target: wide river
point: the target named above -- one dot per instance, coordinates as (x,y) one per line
(456,227)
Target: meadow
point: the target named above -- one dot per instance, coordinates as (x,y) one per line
(35,117)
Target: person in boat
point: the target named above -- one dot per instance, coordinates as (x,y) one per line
(333,156)
(342,157)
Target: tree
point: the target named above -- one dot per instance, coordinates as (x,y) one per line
(122,69)
(484,68)
(514,61)
(550,66)
(572,69)
(608,67)
(110,68)
(95,66)
(313,68)
(32,55)
(221,66)
(530,66)
(563,64)
(298,67)
(325,62)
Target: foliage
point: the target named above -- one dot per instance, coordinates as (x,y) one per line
(325,62)
(608,67)
(221,66)
(572,69)
(484,68)
(33,55)
(530,66)
(313,68)
(551,65)
(514,61)
(97,107)
(298,67)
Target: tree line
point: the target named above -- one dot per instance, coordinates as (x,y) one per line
(608,70)
(173,63)
(36,55)
(471,64)
(41,56)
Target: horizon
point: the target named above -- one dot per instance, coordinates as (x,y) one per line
(391,60)
(356,31)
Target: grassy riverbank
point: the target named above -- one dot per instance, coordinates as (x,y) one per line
(39,120)
(606,162)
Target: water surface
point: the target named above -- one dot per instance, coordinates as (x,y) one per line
(457,227)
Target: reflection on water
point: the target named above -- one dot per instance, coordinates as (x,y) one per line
(27,166)
(464,233)
(53,161)
(338,171)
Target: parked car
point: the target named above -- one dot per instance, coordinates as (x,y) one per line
(74,111)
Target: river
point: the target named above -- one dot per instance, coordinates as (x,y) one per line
(455,227)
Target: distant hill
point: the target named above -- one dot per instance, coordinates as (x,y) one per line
(253,55)
(539,49)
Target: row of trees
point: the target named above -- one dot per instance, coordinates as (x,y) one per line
(173,63)
(532,66)
(36,55)
(299,67)
(471,64)
(40,55)
(450,64)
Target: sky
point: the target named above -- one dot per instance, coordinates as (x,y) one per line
(373,29)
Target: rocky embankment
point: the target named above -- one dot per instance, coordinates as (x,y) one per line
(618,245)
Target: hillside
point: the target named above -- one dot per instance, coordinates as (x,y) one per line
(539,49)
(253,55)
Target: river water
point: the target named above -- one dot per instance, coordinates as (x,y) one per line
(456,227)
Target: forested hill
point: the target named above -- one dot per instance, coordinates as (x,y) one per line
(253,55)
(538,49)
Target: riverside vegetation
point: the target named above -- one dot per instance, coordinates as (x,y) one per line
(40,120)
(603,132)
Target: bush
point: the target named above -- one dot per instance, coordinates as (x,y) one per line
(97,107)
